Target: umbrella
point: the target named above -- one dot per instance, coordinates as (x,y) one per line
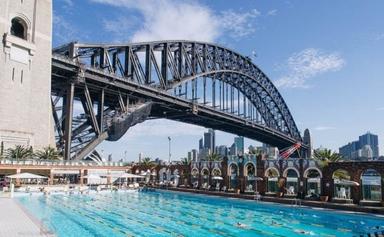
(346,182)
(217,178)
(26,176)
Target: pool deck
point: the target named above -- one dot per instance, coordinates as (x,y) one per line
(291,201)
(16,222)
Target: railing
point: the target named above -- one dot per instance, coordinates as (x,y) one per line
(60,163)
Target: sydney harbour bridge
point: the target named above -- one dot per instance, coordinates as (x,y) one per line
(120,85)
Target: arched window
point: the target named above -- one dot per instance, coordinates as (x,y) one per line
(18,28)
(272,177)
(342,184)
(313,182)
(371,185)
(292,181)
(233,176)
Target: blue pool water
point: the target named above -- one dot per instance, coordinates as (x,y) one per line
(163,213)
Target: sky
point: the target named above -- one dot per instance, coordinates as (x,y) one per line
(325,57)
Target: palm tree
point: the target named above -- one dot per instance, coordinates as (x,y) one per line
(213,157)
(19,152)
(147,163)
(48,153)
(325,156)
(186,161)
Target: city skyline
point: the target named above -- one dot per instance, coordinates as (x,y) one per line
(286,40)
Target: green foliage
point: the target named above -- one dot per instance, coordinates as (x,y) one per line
(148,163)
(19,153)
(213,157)
(325,156)
(48,153)
(186,161)
(341,174)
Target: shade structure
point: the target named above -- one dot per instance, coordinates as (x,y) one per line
(217,178)
(26,176)
(92,176)
(128,175)
(346,182)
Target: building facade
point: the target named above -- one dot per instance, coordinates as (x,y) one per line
(25,78)
(366,148)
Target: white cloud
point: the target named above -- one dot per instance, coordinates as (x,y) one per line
(69,3)
(63,30)
(379,37)
(306,64)
(115,27)
(324,128)
(380,109)
(183,20)
(238,24)
(272,12)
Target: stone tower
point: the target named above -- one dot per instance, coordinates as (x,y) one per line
(25,73)
(307,139)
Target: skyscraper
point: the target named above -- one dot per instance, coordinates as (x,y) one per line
(209,140)
(371,140)
(222,150)
(366,147)
(201,144)
(239,143)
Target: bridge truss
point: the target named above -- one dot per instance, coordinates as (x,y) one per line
(118,86)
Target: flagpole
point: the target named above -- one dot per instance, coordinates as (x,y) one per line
(169,150)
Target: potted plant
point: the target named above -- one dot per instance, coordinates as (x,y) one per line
(324,198)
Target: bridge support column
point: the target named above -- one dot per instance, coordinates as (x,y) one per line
(68,121)
(81,177)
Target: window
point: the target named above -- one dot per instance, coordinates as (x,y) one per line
(22,72)
(19,28)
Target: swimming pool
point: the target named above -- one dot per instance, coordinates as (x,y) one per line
(163,213)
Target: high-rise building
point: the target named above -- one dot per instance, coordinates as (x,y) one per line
(367,147)
(239,143)
(201,144)
(193,155)
(371,140)
(209,140)
(222,150)
(233,150)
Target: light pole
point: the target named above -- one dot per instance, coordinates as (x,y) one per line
(169,150)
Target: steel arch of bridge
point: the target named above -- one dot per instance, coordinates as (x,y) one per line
(167,65)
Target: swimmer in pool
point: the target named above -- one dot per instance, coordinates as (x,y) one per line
(274,223)
(241,225)
(304,232)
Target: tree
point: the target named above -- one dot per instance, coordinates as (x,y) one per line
(48,153)
(213,157)
(325,156)
(147,163)
(19,152)
(186,161)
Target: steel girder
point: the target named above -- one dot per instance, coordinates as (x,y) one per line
(167,64)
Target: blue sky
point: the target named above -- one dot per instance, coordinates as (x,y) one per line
(326,57)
